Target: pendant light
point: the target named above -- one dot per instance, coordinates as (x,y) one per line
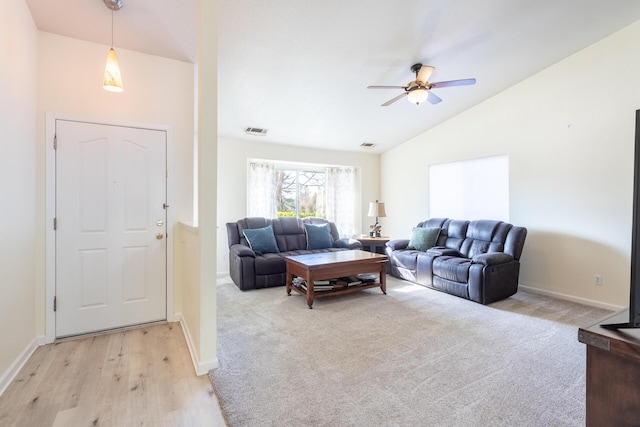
(112,80)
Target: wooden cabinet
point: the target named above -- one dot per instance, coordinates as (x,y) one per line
(613,373)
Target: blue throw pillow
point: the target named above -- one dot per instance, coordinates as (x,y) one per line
(318,236)
(261,240)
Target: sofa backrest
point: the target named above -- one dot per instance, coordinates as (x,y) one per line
(289,232)
(471,238)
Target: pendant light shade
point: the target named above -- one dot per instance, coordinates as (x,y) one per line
(112,79)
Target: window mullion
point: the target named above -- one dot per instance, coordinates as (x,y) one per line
(297,193)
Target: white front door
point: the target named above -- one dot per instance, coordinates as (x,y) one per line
(111,251)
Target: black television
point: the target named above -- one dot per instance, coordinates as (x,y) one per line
(634,293)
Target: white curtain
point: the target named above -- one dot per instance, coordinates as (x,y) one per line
(262,190)
(341,192)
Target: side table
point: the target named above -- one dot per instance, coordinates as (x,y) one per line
(613,373)
(373,244)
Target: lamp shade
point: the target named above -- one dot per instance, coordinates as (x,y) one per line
(417,96)
(112,80)
(376,209)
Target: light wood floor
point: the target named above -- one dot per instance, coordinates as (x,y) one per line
(136,377)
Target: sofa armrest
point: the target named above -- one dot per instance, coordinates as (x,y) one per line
(398,244)
(347,243)
(491,258)
(442,251)
(242,250)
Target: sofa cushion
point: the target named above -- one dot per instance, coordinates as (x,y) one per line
(482,237)
(261,240)
(318,236)
(452,268)
(405,258)
(270,264)
(290,234)
(423,239)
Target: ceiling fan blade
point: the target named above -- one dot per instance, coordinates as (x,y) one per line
(392,100)
(462,82)
(433,98)
(424,74)
(386,87)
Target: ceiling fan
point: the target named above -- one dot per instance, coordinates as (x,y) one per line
(420,89)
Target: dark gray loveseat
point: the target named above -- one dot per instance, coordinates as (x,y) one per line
(251,271)
(478,260)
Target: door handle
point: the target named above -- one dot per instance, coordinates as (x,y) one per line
(159,236)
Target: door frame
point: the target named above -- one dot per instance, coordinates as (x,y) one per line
(50,211)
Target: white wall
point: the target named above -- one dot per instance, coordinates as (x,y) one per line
(569,134)
(18,100)
(187,272)
(232,180)
(157,91)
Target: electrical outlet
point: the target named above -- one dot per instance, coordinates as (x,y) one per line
(597,280)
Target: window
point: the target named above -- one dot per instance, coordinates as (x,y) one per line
(301,192)
(298,190)
(470,189)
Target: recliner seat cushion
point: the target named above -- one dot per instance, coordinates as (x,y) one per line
(270,264)
(452,268)
(405,259)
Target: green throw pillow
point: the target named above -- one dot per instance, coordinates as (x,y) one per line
(261,240)
(318,236)
(423,239)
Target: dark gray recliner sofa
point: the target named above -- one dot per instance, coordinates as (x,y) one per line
(251,271)
(477,260)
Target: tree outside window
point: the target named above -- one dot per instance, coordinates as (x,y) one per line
(301,193)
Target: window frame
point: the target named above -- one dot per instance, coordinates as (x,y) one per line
(298,168)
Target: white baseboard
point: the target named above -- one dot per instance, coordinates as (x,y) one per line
(205,367)
(200,367)
(571,298)
(10,374)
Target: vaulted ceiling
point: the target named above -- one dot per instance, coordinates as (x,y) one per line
(301,69)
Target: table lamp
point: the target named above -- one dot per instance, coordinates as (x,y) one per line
(376,209)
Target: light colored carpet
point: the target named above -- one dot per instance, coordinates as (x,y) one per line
(413,357)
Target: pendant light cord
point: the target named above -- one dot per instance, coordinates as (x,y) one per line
(111,28)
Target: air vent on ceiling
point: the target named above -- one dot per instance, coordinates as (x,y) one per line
(367,145)
(255,131)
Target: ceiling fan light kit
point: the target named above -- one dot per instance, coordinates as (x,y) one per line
(419,90)
(417,95)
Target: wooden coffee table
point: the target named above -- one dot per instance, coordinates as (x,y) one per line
(332,265)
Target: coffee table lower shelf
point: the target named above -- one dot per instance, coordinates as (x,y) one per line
(334,292)
(330,265)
